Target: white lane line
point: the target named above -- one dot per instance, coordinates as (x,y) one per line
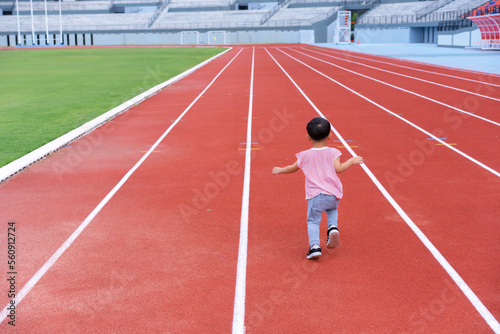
(489,169)
(241,271)
(401,89)
(39,274)
(418,69)
(406,76)
(483,311)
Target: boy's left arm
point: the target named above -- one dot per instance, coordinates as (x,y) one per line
(286,170)
(341,167)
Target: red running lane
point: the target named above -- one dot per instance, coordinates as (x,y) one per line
(445,196)
(474,75)
(141,265)
(480,105)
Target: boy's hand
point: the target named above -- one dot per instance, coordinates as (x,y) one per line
(276,170)
(357,160)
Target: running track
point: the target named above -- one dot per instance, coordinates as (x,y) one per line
(200,237)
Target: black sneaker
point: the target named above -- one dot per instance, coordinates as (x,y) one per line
(332,239)
(314,252)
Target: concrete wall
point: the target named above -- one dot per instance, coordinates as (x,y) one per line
(468,37)
(162,38)
(382,35)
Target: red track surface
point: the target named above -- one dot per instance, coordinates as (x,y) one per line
(161,256)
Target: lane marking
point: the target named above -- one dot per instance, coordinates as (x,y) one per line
(417,69)
(399,88)
(491,170)
(241,269)
(483,311)
(39,274)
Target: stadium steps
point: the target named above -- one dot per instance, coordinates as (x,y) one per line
(273,11)
(163,6)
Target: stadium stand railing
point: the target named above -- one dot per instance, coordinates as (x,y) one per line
(273,11)
(161,7)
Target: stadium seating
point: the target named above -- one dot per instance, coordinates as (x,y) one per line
(307,13)
(492,7)
(80,7)
(392,12)
(461,5)
(208,19)
(75,22)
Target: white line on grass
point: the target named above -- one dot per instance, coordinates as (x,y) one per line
(416,69)
(489,169)
(39,274)
(483,311)
(404,90)
(30,158)
(241,273)
(406,76)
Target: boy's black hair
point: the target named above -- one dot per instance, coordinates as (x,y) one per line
(318,128)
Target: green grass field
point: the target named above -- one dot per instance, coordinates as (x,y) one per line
(45,93)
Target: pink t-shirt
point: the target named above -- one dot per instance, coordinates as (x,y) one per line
(317,165)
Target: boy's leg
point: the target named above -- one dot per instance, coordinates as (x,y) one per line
(332,239)
(332,214)
(313,220)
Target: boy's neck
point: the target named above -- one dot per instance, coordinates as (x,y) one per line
(319,143)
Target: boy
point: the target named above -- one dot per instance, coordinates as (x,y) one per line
(320,165)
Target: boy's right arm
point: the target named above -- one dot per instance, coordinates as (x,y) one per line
(286,170)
